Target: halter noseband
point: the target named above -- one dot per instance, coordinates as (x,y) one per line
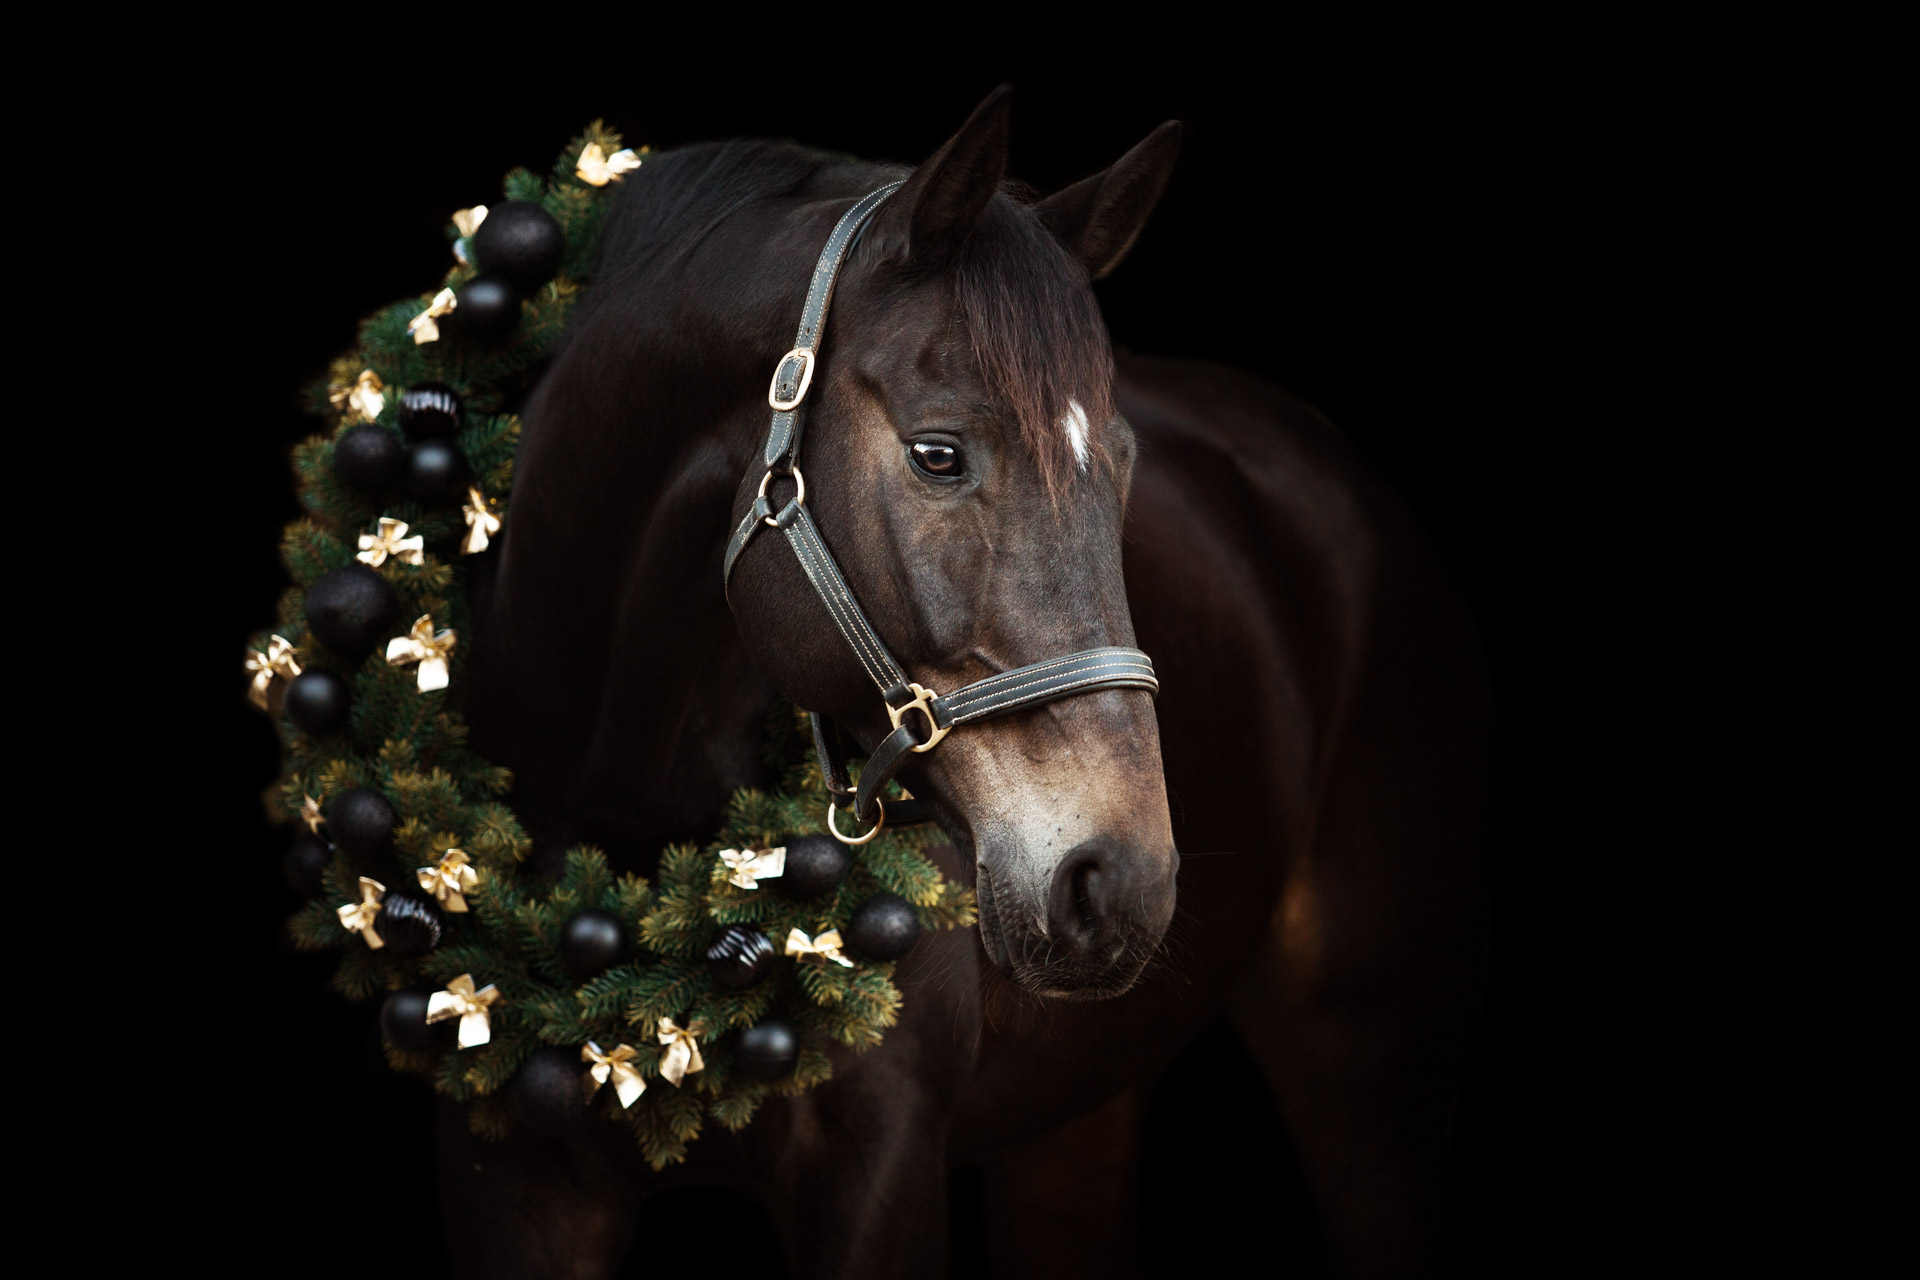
(1030,686)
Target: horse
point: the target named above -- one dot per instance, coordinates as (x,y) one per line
(997,488)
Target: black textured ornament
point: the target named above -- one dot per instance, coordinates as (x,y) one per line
(361,822)
(318,701)
(591,942)
(740,957)
(409,925)
(437,473)
(884,927)
(488,309)
(521,243)
(815,865)
(429,411)
(403,1021)
(369,459)
(767,1050)
(351,610)
(547,1094)
(306,864)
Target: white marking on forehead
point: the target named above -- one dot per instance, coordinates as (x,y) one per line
(1074,422)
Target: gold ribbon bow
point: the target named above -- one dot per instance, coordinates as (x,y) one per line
(366,397)
(278,660)
(749,866)
(422,326)
(461,1001)
(358,917)
(682,1056)
(482,523)
(467,221)
(392,540)
(618,1065)
(826,946)
(426,647)
(597,168)
(450,880)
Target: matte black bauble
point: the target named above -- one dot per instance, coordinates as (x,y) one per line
(815,865)
(361,821)
(884,927)
(437,473)
(369,459)
(547,1094)
(591,942)
(306,864)
(318,701)
(520,242)
(351,610)
(408,925)
(429,411)
(740,958)
(403,1021)
(767,1050)
(488,309)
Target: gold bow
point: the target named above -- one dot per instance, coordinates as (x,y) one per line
(310,813)
(422,326)
(826,946)
(467,221)
(358,917)
(367,395)
(426,647)
(481,521)
(682,1055)
(450,880)
(749,867)
(462,1001)
(392,540)
(278,660)
(627,1084)
(597,168)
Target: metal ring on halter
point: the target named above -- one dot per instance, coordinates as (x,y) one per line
(880,822)
(922,698)
(799,497)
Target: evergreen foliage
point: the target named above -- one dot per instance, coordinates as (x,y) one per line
(411,747)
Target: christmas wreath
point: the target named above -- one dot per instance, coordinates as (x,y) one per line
(531,998)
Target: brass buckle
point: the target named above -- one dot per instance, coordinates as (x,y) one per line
(799,497)
(880,822)
(805,355)
(922,700)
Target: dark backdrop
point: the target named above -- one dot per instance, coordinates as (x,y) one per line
(1419,238)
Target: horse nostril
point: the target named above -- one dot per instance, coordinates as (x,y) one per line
(1076,901)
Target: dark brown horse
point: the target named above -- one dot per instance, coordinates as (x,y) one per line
(977,463)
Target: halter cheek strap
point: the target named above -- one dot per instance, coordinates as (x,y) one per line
(1033,685)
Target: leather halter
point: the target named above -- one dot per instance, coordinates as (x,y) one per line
(1033,685)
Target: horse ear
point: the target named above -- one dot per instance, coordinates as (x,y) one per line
(1100,217)
(946,195)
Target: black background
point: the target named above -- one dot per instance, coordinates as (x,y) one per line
(1434,246)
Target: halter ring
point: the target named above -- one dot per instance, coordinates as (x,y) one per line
(878,823)
(922,700)
(799,497)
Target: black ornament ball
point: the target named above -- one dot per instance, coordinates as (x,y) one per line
(521,243)
(318,701)
(767,1050)
(815,865)
(351,610)
(488,308)
(884,927)
(361,822)
(369,459)
(429,411)
(403,1021)
(590,943)
(547,1094)
(408,925)
(740,957)
(306,864)
(437,473)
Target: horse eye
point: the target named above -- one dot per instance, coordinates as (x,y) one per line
(941,461)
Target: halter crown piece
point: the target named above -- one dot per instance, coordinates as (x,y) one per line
(1033,685)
